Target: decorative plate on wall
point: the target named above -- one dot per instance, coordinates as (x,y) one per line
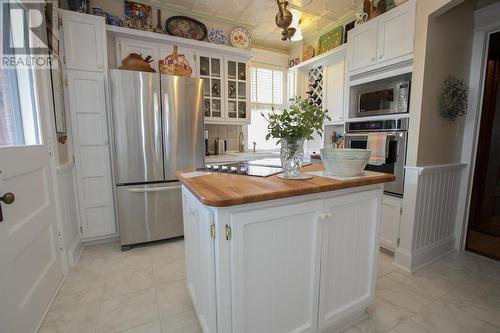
(217,36)
(330,40)
(186,27)
(241,39)
(137,16)
(308,52)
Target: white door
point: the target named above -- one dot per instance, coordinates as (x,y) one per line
(84,39)
(349,255)
(275,265)
(396,31)
(362,46)
(30,258)
(87,104)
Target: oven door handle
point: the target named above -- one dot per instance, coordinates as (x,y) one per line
(394,134)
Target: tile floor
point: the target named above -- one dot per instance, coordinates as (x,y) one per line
(143,291)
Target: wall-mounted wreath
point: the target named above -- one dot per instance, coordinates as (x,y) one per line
(453,100)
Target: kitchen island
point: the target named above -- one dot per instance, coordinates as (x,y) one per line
(267,255)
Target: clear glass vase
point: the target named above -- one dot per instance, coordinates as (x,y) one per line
(292,155)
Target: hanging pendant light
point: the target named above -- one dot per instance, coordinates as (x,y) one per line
(296,24)
(284,19)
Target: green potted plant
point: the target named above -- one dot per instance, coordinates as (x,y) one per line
(291,127)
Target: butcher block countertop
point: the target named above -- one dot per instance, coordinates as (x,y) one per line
(223,190)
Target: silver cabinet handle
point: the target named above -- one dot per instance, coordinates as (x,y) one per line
(154,189)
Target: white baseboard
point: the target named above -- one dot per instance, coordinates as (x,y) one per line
(415,260)
(75,251)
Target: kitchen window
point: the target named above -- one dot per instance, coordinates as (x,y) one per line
(266,95)
(19,123)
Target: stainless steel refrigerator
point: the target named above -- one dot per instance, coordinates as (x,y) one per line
(158,129)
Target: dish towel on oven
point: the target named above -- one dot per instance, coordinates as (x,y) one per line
(377,144)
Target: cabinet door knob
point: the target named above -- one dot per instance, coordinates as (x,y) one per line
(373,59)
(380,56)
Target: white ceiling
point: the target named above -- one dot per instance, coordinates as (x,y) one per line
(257,16)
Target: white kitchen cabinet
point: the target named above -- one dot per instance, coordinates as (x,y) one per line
(385,40)
(349,239)
(237,91)
(335,90)
(211,71)
(86,93)
(200,263)
(125,46)
(301,264)
(396,30)
(84,38)
(390,222)
(275,265)
(189,54)
(362,46)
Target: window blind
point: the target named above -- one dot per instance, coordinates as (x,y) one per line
(267,87)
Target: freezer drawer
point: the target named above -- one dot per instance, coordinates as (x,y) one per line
(149,212)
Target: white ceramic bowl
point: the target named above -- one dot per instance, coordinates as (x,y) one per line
(344,162)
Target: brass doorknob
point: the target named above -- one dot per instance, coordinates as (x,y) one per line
(8,198)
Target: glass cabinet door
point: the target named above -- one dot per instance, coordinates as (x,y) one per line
(236,90)
(210,71)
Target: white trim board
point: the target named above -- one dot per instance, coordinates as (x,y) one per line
(486,22)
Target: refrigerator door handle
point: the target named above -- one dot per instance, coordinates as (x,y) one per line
(154,189)
(157,134)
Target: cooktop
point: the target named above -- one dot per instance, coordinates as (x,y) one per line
(258,168)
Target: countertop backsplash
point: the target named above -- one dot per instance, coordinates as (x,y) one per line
(224,132)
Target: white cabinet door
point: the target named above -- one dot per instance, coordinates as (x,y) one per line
(200,262)
(396,30)
(190,54)
(126,46)
(349,254)
(275,256)
(362,47)
(87,103)
(335,90)
(84,39)
(390,221)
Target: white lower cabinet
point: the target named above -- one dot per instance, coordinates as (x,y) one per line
(275,255)
(200,264)
(390,222)
(295,265)
(348,258)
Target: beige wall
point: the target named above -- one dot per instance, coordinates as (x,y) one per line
(442,48)
(449,48)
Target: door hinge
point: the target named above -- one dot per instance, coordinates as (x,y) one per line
(60,240)
(212,231)
(49,146)
(228,232)
(398,241)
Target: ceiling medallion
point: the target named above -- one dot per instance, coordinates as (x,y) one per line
(284,19)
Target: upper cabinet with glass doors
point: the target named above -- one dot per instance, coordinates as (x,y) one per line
(225,89)
(237,91)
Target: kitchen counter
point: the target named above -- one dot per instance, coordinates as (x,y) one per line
(222,190)
(274,255)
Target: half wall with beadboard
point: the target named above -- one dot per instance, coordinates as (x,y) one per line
(429,214)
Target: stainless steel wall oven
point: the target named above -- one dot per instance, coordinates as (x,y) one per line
(397,135)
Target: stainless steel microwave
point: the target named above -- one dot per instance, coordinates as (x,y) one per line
(387,99)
